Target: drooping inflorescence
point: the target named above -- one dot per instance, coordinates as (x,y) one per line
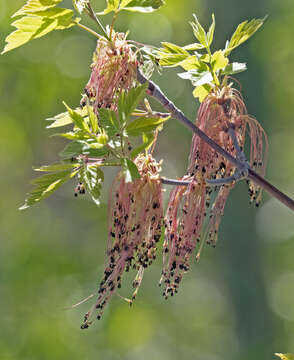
(114,69)
(134,229)
(188,207)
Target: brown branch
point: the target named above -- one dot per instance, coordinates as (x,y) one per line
(156,92)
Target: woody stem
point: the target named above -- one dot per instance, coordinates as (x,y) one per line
(156,92)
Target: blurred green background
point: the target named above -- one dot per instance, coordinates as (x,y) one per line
(238,302)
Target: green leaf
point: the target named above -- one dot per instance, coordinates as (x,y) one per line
(234,68)
(202,91)
(33,27)
(147,68)
(112,5)
(197,77)
(64,118)
(148,139)
(36,5)
(219,61)
(78,147)
(75,135)
(92,177)
(192,63)
(192,47)
(199,32)
(144,125)
(108,122)
(143,6)
(171,55)
(173,49)
(46,185)
(128,102)
(285,356)
(93,119)
(130,170)
(171,60)
(77,119)
(56,167)
(243,32)
(80,5)
(211,31)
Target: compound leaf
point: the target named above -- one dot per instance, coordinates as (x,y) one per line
(36,5)
(243,32)
(37,24)
(47,185)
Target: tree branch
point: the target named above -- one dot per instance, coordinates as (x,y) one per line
(156,92)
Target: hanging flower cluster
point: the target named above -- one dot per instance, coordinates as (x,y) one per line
(114,69)
(135,224)
(188,207)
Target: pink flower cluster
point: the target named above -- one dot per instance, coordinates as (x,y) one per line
(185,221)
(114,68)
(135,225)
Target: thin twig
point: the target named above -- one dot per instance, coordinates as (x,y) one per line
(93,16)
(155,91)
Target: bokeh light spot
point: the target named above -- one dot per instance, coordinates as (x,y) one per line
(282,296)
(129,328)
(74,56)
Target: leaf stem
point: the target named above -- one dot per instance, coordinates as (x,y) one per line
(89,30)
(112,23)
(156,92)
(93,16)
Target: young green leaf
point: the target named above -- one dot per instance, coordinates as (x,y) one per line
(36,5)
(147,68)
(128,102)
(93,119)
(243,32)
(285,356)
(56,167)
(75,135)
(64,119)
(148,139)
(130,170)
(192,47)
(202,91)
(46,185)
(112,5)
(211,31)
(92,177)
(194,63)
(199,32)
(33,27)
(197,77)
(219,61)
(143,6)
(79,147)
(234,68)
(171,55)
(77,119)
(144,125)
(108,122)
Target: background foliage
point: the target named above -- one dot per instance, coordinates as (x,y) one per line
(238,302)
